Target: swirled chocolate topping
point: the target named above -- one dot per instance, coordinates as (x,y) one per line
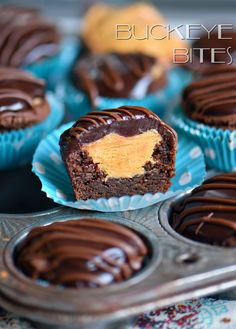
(122,151)
(212,98)
(81,253)
(25,37)
(118,75)
(22,99)
(208,213)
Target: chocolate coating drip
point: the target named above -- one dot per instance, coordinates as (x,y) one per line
(22,99)
(212,99)
(81,253)
(118,75)
(25,37)
(208,213)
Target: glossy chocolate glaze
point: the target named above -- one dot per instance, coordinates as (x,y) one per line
(208,213)
(118,75)
(25,37)
(212,98)
(81,253)
(22,99)
(125,121)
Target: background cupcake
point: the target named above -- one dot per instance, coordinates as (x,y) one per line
(113,72)
(29,41)
(26,115)
(208,116)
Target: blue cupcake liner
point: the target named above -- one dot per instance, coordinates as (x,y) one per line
(17,146)
(55,68)
(218,145)
(77,103)
(48,166)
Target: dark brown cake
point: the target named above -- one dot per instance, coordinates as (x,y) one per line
(25,36)
(208,213)
(212,99)
(81,253)
(22,100)
(118,75)
(115,152)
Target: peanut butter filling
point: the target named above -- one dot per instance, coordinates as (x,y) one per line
(124,157)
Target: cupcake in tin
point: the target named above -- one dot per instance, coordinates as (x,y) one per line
(208,115)
(29,41)
(84,253)
(207,214)
(26,115)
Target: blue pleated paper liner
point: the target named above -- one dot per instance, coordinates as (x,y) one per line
(77,103)
(17,146)
(48,166)
(218,145)
(54,69)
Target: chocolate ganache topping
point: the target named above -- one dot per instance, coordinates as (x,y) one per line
(212,98)
(22,99)
(81,253)
(25,37)
(208,213)
(124,120)
(118,75)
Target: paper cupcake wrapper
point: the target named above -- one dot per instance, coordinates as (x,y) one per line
(218,145)
(77,103)
(17,146)
(49,167)
(54,69)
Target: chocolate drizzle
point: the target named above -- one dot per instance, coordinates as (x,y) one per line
(208,214)
(22,99)
(118,75)
(25,37)
(81,253)
(212,99)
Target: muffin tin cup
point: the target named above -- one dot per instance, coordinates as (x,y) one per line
(161,102)
(190,172)
(218,145)
(178,269)
(55,68)
(17,146)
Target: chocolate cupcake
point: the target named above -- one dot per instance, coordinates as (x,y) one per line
(22,100)
(27,114)
(116,152)
(85,253)
(208,116)
(26,37)
(212,99)
(207,215)
(118,76)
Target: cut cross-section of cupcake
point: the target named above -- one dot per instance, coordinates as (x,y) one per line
(115,152)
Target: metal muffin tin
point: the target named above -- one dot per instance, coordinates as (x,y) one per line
(178,269)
